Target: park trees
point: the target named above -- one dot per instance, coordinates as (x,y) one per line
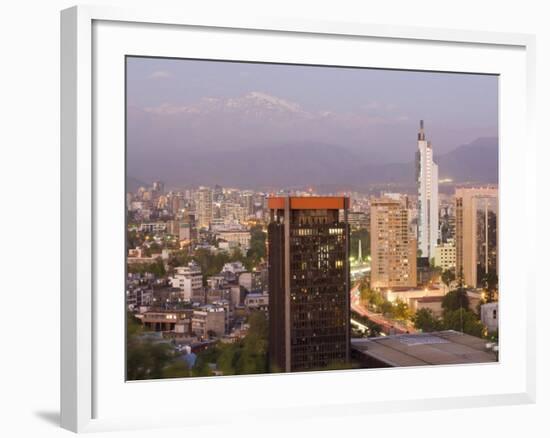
(425,320)
(447,277)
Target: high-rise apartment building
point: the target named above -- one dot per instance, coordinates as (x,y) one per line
(309,321)
(445,256)
(476,233)
(428,196)
(204,207)
(247,202)
(188,229)
(393,247)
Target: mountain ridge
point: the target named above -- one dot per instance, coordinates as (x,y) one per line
(315,163)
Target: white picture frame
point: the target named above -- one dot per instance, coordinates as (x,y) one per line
(90,401)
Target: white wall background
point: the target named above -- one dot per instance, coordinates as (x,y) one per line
(29,213)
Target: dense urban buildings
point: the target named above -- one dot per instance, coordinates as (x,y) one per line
(298,260)
(308,283)
(318,270)
(315,231)
(427,176)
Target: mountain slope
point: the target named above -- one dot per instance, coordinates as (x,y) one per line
(311,163)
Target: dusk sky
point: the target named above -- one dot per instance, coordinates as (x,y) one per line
(178,107)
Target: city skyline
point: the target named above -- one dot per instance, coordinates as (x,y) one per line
(247,257)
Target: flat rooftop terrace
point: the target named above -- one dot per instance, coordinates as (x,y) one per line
(437,348)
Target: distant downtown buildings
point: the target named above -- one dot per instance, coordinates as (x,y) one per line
(309,303)
(204,207)
(427,176)
(468,246)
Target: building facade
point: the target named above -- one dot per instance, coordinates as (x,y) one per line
(427,177)
(445,255)
(187,227)
(358,219)
(204,207)
(189,280)
(208,322)
(240,237)
(257,301)
(308,253)
(393,247)
(489,316)
(476,234)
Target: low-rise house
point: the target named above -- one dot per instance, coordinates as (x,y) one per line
(257,301)
(489,316)
(167,320)
(208,322)
(188,279)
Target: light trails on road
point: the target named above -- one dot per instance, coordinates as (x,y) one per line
(388,326)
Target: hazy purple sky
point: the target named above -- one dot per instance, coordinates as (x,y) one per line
(180,106)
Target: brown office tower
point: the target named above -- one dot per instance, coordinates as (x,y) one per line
(476,234)
(308,283)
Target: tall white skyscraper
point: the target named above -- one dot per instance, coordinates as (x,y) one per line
(428,196)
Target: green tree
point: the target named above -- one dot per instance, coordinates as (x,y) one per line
(210,264)
(144,359)
(374,329)
(455,299)
(257,251)
(464,321)
(447,277)
(228,358)
(178,258)
(156,268)
(133,240)
(425,320)
(490,284)
(248,355)
(177,368)
(375,299)
(401,310)
(387,308)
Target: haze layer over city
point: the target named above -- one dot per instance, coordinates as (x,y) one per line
(300,218)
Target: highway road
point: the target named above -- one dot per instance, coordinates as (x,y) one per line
(388,326)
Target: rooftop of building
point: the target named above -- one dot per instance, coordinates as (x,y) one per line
(153,311)
(430,299)
(309,202)
(401,289)
(257,294)
(437,348)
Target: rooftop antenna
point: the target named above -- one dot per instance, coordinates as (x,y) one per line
(421,135)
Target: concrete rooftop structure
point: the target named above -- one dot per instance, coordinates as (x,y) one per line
(437,348)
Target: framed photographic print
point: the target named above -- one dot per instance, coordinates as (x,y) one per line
(316,216)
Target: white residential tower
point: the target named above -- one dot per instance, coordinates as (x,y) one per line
(428,196)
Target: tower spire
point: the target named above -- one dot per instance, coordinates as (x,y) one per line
(421,135)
